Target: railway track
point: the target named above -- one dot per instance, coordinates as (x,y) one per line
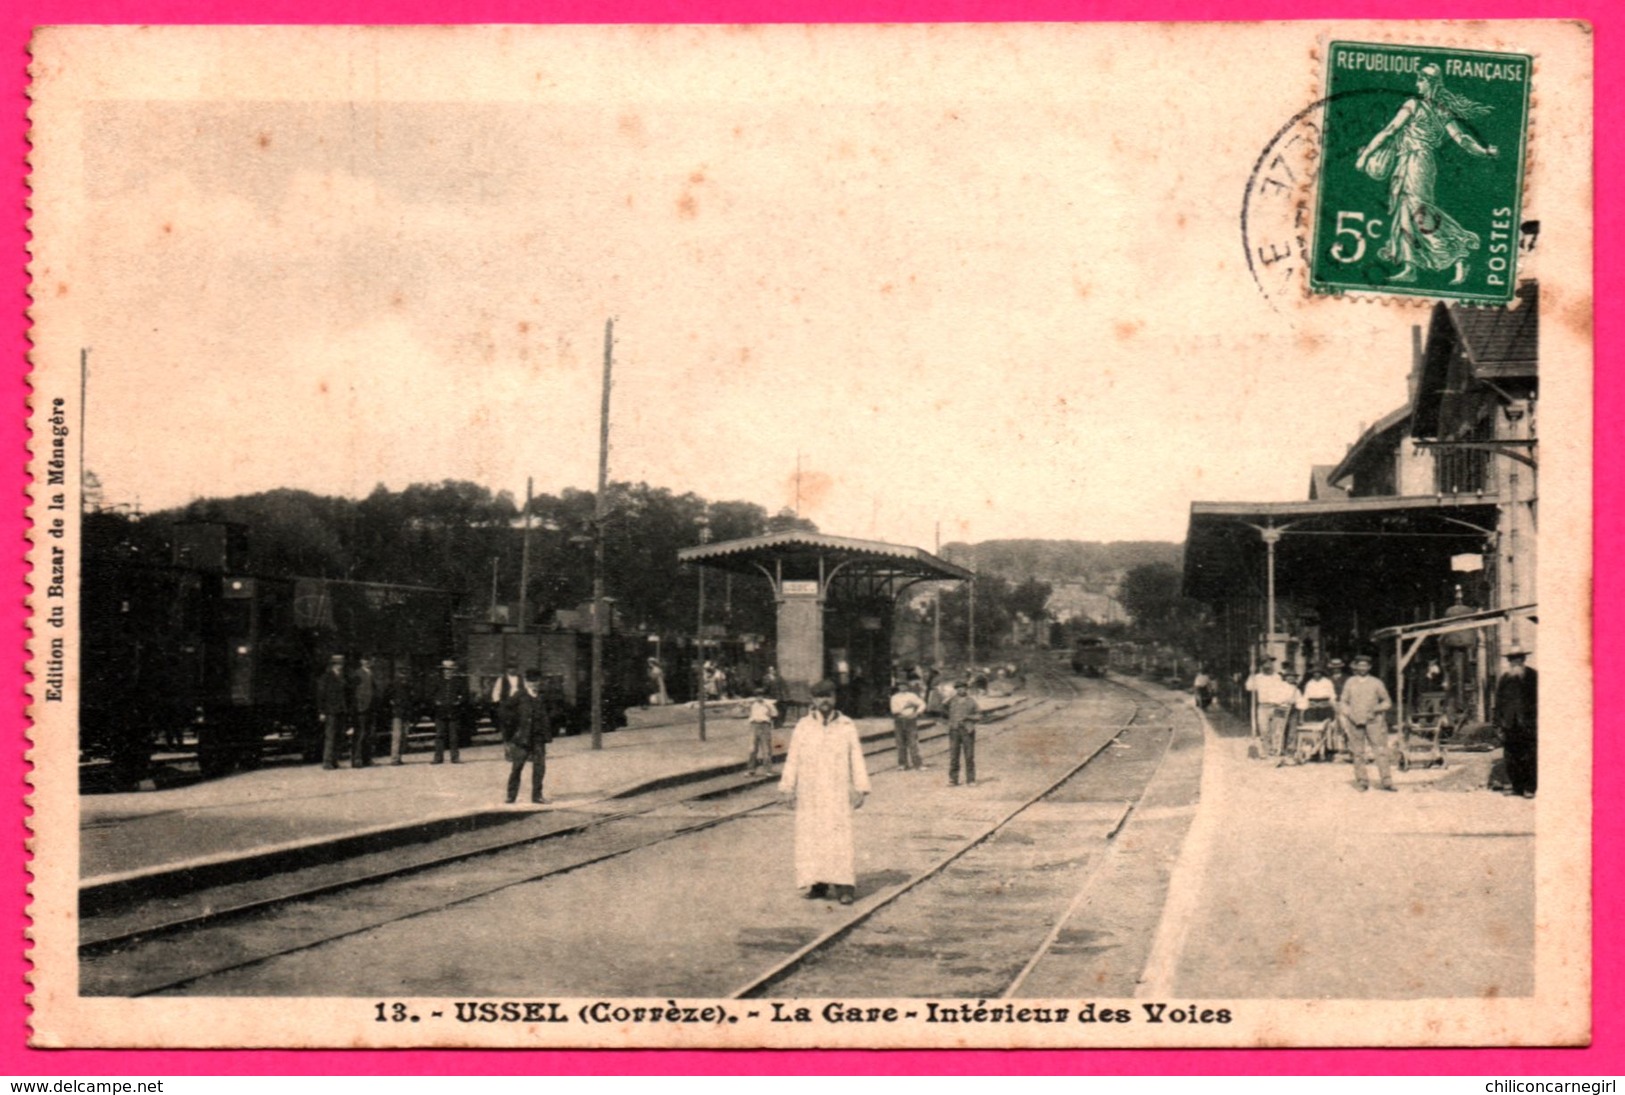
(168,945)
(940,934)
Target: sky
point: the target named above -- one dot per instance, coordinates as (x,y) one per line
(987,277)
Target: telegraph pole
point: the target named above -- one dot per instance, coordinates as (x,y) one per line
(704,521)
(971,637)
(598,511)
(936,609)
(524,558)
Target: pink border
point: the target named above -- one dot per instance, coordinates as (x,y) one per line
(1605,1057)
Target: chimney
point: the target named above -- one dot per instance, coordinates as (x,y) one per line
(1414,382)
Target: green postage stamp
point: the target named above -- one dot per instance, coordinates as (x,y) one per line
(1421,167)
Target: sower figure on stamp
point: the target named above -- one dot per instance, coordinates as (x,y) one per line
(366,697)
(962,716)
(333,705)
(906,706)
(446,702)
(531,730)
(1419,232)
(1516,708)
(825,773)
(1363,705)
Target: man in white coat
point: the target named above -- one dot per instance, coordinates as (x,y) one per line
(825,774)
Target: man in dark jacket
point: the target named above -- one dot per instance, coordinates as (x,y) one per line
(525,738)
(365,697)
(447,700)
(333,705)
(963,714)
(505,699)
(1516,708)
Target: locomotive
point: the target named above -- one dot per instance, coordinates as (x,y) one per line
(1091,657)
(199,643)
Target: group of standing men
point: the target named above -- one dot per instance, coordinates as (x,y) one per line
(352,703)
(1357,706)
(907,705)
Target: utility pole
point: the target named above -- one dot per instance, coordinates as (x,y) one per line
(936,609)
(704,521)
(971,638)
(598,511)
(524,558)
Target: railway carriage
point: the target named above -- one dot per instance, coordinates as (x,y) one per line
(201,646)
(1090,657)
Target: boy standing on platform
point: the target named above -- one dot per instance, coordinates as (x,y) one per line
(764,713)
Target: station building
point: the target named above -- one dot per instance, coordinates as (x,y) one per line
(1419,546)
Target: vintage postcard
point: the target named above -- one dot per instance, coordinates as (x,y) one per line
(812,536)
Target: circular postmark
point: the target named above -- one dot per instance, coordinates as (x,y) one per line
(1276,214)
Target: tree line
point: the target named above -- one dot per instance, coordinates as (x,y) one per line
(463,537)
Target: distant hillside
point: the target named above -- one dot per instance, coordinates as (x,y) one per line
(1064,562)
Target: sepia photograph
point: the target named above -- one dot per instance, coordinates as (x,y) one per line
(898,536)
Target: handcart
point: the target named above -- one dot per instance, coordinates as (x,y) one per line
(1316,726)
(1421,738)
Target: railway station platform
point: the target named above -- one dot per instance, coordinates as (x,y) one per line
(288,815)
(1292,883)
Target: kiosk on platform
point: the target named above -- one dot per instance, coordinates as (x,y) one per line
(836,597)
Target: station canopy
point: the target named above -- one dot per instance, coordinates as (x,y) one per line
(841,565)
(1326,545)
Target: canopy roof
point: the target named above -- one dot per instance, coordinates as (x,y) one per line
(1326,544)
(815,556)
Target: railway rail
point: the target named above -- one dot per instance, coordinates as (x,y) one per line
(219,937)
(999,958)
(167,945)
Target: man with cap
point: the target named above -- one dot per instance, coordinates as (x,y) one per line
(1516,707)
(962,717)
(825,773)
(906,706)
(764,714)
(1362,706)
(527,736)
(365,695)
(333,706)
(446,701)
(1272,699)
(505,697)
(1339,675)
(401,712)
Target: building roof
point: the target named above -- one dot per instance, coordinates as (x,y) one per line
(798,554)
(1475,354)
(1322,488)
(1502,341)
(1376,441)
